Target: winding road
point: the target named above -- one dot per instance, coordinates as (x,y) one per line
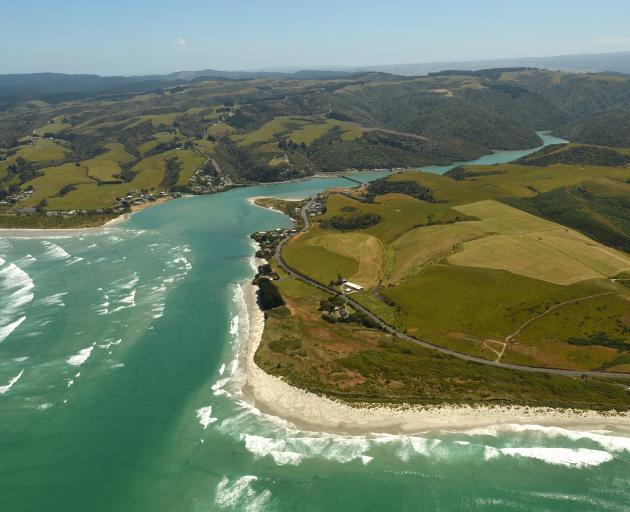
(394,332)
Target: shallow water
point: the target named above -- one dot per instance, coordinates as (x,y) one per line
(119,392)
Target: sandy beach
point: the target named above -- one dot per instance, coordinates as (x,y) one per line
(308,411)
(252,200)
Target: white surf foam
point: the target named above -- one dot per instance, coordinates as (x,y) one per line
(287,449)
(81,357)
(7,329)
(133,281)
(240,494)
(25,261)
(607,441)
(110,344)
(5,389)
(55,251)
(578,457)
(20,286)
(128,301)
(54,300)
(406,447)
(204,414)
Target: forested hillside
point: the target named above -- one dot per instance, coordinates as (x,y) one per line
(111,148)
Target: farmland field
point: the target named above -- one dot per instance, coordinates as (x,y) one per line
(474,274)
(309,133)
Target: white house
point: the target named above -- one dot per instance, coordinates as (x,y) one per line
(351,287)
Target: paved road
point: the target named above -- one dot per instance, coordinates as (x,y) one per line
(391,330)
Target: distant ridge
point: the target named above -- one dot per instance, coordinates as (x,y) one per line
(58,86)
(618,62)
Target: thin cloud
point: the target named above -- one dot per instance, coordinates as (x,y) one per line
(479,44)
(613,41)
(180,41)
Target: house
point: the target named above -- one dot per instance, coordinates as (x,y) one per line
(349,287)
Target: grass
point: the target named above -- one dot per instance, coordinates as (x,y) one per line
(268,131)
(362,255)
(356,256)
(157,138)
(89,196)
(154,119)
(107,166)
(525,256)
(422,245)
(44,222)
(533,247)
(353,364)
(461,307)
(151,169)
(503,180)
(219,129)
(55,126)
(317,261)
(40,152)
(549,335)
(399,213)
(53,180)
(191,161)
(310,133)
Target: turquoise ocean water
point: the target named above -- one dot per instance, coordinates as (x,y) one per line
(119,392)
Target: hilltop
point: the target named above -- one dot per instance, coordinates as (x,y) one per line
(109,149)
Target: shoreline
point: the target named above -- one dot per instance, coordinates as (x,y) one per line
(252,201)
(308,411)
(43,232)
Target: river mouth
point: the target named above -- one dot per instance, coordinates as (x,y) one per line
(141,319)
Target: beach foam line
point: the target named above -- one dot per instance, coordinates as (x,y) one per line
(5,389)
(571,457)
(608,441)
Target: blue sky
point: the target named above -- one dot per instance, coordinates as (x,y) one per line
(156,36)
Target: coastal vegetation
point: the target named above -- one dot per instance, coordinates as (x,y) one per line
(353,363)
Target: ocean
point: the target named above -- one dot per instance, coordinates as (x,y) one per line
(120,391)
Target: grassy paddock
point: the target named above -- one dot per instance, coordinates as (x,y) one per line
(353,364)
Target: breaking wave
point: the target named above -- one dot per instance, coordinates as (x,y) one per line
(266,436)
(578,457)
(4,389)
(18,286)
(81,357)
(55,251)
(240,494)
